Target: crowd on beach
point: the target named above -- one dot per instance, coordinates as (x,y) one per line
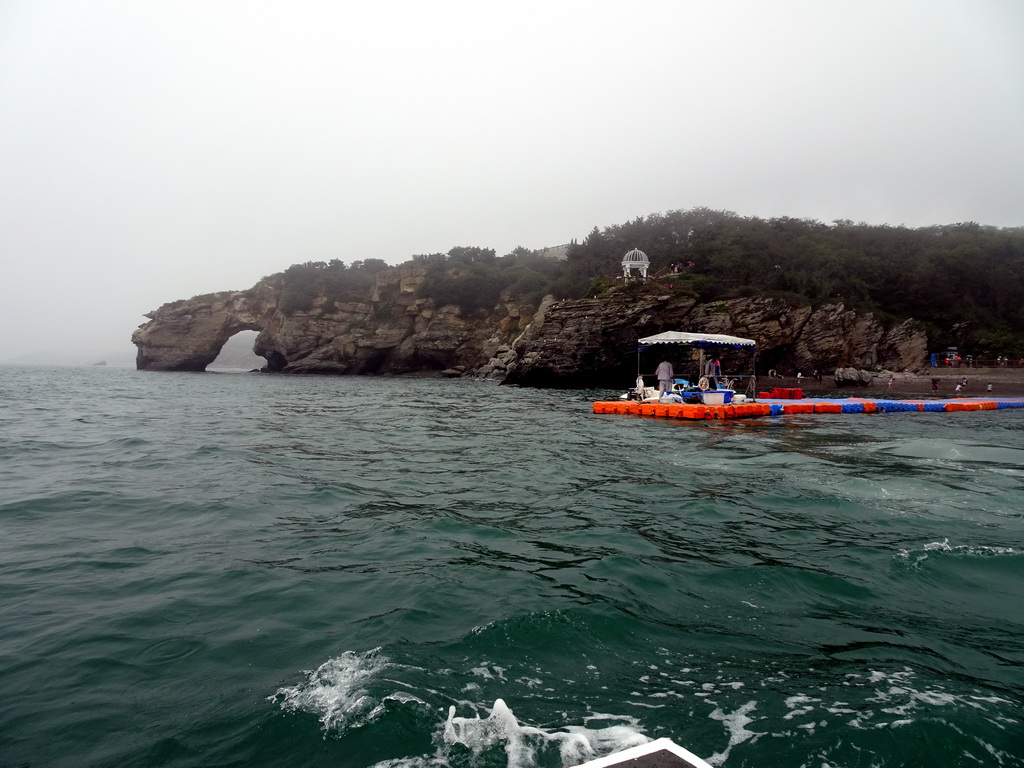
(956,361)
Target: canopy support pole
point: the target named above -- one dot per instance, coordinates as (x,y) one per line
(753,374)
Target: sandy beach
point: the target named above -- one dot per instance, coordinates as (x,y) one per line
(1006,382)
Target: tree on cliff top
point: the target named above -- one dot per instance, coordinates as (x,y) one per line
(963,275)
(473,279)
(942,275)
(304,283)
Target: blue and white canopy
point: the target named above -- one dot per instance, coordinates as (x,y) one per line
(701,340)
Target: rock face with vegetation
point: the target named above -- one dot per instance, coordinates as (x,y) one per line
(813,296)
(568,343)
(592,342)
(392,331)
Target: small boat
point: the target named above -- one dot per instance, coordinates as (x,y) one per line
(708,387)
(660,753)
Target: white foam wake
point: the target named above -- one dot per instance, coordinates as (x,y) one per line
(736,723)
(474,740)
(336,690)
(915,557)
(521,743)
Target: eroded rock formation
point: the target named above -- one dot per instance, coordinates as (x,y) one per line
(589,342)
(577,343)
(392,332)
(187,335)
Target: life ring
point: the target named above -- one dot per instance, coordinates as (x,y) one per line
(703,383)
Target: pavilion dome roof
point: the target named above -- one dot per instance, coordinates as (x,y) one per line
(636,256)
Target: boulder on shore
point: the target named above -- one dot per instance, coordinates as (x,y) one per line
(849,377)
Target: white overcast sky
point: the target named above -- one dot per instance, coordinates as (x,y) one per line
(153,150)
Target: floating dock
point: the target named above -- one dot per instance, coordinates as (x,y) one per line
(802,406)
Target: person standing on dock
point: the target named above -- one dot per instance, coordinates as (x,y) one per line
(665,377)
(712,370)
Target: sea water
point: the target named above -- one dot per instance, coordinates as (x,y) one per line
(264,570)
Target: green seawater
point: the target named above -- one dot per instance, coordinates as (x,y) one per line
(250,570)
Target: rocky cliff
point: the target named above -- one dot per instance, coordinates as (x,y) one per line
(573,343)
(591,342)
(392,332)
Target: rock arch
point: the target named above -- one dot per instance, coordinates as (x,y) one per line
(188,335)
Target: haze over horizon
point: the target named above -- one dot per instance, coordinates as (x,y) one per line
(156,151)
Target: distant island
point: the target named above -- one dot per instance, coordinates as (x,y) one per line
(814,295)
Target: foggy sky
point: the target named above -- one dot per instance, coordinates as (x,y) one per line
(151,151)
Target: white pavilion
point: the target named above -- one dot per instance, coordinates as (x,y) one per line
(635,259)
